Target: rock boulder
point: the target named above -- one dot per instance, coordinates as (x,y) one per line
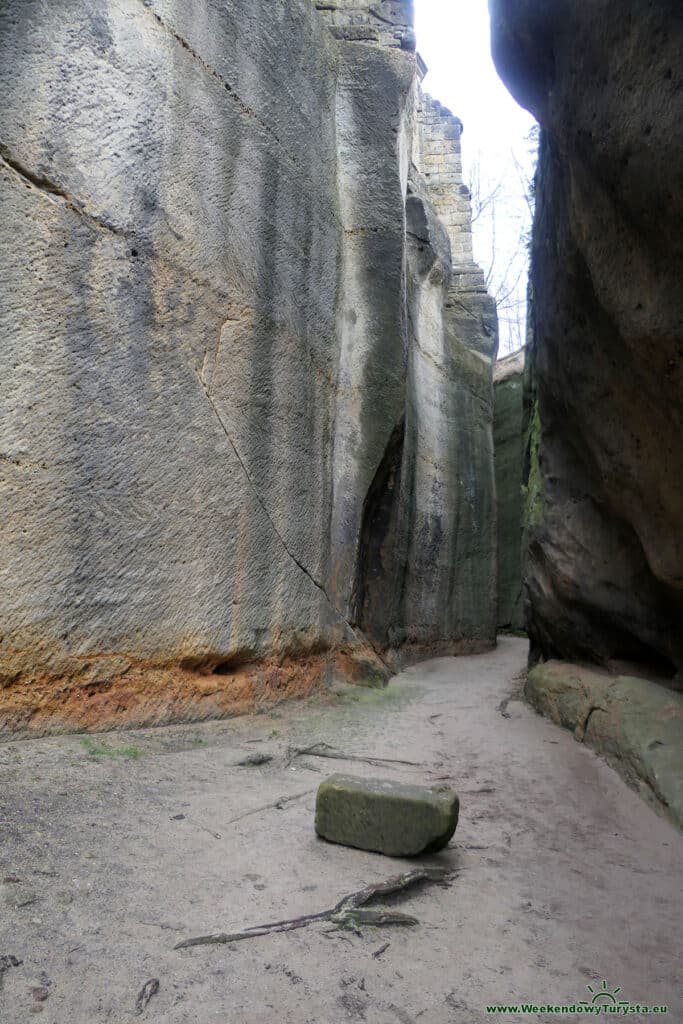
(385,816)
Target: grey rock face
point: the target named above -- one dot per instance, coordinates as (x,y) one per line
(385,816)
(508,437)
(606,552)
(171,268)
(425,583)
(208,358)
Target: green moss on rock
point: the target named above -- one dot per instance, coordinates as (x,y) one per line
(508,438)
(533,489)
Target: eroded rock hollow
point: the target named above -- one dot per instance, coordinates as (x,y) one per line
(246,431)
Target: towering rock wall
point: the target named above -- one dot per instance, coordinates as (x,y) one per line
(454,372)
(428,548)
(246,397)
(606,555)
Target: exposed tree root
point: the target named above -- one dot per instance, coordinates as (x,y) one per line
(149,989)
(347,913)
(325,750)
(278,805)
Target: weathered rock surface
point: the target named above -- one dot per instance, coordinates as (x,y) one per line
(210,375)
(508,441)
(425,587)
(605,80)
(636,724)
(384,816)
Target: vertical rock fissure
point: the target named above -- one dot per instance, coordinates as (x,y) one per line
(362,640)
(260,501)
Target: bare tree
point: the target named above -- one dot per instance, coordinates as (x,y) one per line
(502,212)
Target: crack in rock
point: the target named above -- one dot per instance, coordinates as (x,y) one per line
(361,639)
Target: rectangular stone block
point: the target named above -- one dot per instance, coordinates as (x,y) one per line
(384,816)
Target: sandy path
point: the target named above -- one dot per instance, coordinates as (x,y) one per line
(564,876)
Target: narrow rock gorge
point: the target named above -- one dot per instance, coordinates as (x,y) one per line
(246,440)
(250,444)
(256,444)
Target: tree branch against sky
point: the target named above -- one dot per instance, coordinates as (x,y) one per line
(498,160)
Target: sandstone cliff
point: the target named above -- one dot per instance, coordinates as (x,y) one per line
(605,569)
(246,400)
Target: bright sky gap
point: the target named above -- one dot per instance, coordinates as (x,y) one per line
(498,157)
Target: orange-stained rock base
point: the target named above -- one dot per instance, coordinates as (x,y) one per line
(147,694)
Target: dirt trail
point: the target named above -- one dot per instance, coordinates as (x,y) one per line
(125,844)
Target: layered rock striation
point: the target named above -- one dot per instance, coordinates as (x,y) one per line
(246,408)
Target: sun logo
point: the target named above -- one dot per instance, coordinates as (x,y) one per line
(603,996)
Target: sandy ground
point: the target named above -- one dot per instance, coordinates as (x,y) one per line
(123,844)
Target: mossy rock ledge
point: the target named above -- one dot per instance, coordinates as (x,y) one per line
(384,816)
